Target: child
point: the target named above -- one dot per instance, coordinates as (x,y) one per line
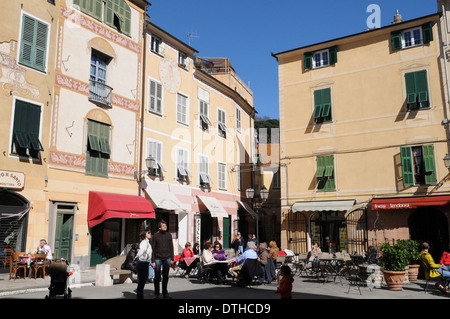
(285,287)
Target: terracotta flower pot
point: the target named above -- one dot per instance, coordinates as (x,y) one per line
(413,272)
(394,279)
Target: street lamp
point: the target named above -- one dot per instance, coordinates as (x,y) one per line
(150,163)
(264,193)
(447,161)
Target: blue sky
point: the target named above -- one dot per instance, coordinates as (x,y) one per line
(248,31)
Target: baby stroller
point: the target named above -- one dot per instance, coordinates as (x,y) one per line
(59,280)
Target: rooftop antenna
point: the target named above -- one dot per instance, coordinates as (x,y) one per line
(191,35)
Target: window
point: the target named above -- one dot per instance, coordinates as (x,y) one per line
(182,109)
(325,173)
(117,13)
(155,100)
(156,45)
(99,92)
(203,104)
(182,164)
(26,127)
(322,106)
(412,37)
(98,148)
(417,96)
(222,175)
(418,165)
(154,149)
(238,120)
(182,60)
(221,123)
(203,170)
(33,43)
(320,58)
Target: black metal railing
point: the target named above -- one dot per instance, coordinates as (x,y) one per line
(100,93)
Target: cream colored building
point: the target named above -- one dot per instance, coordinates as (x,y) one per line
(361,130)
(198,128)
(94,129)
(27,63)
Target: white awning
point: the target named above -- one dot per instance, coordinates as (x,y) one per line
(247,208)
(323,205)
(165,200)
(214,207)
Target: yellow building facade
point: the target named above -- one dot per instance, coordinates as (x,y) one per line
(198,129)
(361,130)
(27,63)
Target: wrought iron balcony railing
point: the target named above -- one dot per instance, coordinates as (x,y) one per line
(100,93)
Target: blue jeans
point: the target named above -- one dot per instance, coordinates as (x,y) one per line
(165,265)
(446,274)
(151,272)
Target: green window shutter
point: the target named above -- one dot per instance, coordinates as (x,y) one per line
(410,82)
(407,165)
(320,160)
(104,139)
(27,119)
(427,32)
(422,85)
(318,104)
(326,100)
(333,55)
(97,9)
(396,40)
(109,13)
(98,149)
(33,47)
(329,166)
(430,168)
(307,60)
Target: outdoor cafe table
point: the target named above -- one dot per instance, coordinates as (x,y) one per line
(28,259)
(329,266)
(223,265)
(189,260)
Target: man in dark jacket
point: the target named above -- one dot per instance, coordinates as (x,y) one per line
(129,260)
(162,257)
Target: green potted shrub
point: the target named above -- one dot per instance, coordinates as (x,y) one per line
(412,248)
(393,262)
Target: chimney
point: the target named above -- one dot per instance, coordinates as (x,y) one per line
(397,18)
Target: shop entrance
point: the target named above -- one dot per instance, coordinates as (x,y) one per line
(430,225)
(13,220)
(329,230)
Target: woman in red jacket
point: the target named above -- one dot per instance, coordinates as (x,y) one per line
(445,260)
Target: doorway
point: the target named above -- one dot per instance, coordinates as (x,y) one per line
(64,231)
(329,230)
(430,225)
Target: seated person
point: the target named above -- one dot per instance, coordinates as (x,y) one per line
(207,260)
(249,253)
(218,252)
(187,253)
(129,262)
(445,261)
(44,248)
(313,256)
(435,269)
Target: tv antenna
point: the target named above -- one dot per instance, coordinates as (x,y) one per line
(191,35)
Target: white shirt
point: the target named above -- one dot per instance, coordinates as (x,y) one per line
(145,251)
(45,250)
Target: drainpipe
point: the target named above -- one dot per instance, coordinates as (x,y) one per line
(141,120)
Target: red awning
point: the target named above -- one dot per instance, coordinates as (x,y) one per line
(107,205)
(409,202)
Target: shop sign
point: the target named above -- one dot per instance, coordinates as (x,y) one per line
(10,179)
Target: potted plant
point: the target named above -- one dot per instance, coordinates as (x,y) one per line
(412,248)
(393,262)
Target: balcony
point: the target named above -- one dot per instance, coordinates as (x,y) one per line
(100,93)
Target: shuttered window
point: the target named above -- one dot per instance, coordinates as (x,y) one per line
(98,149)
(412,37)
(27,119)
(118,15)
(155,100)
(322,105)
(417,96)
(325,173)
(92,7)
(312,60)
(418,165)
(33,46)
